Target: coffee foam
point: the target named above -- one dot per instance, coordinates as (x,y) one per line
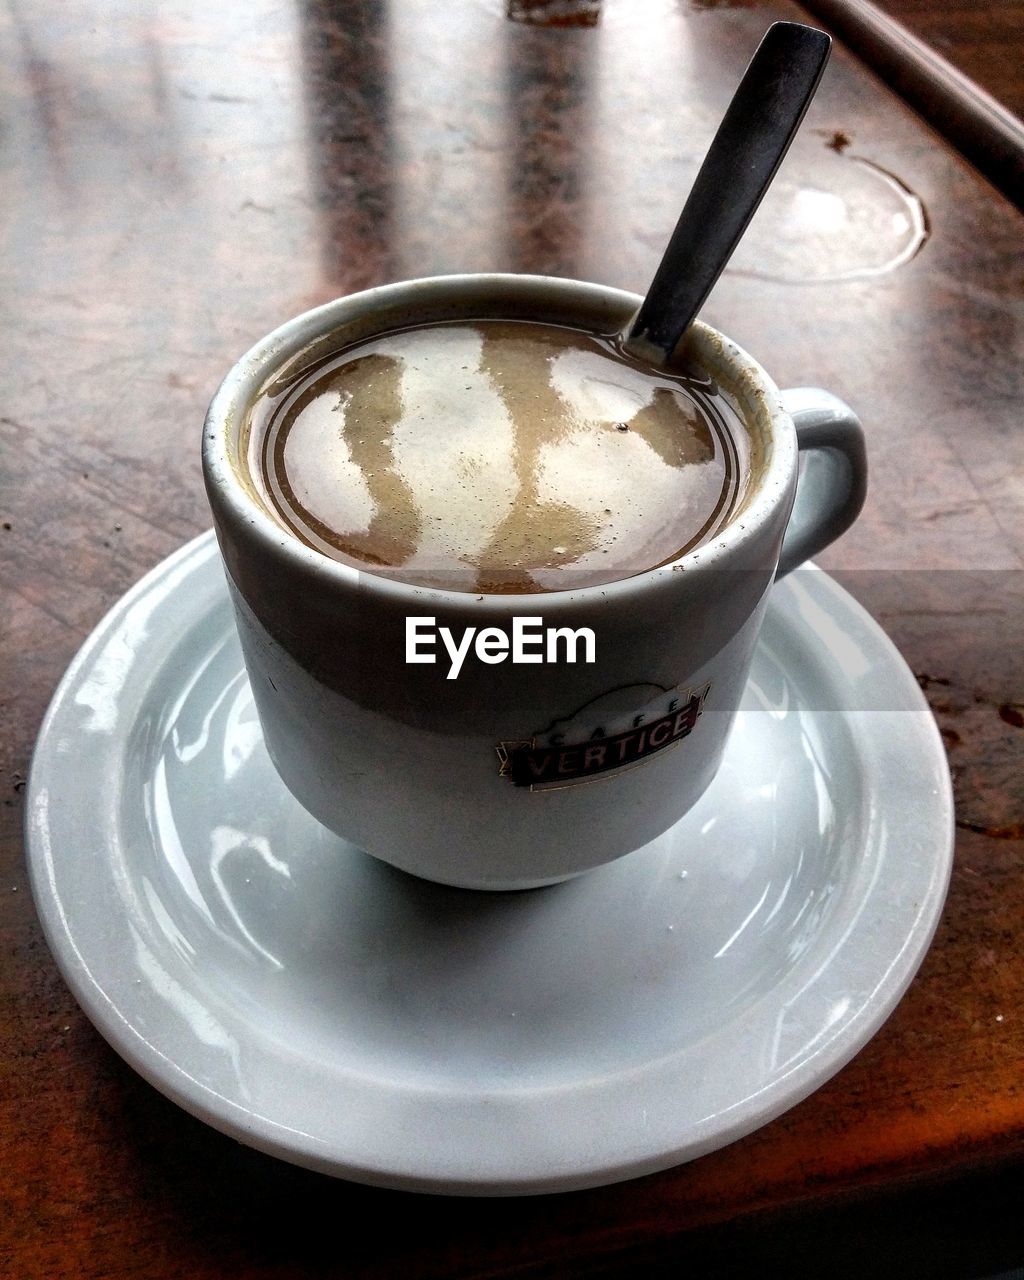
(495,456)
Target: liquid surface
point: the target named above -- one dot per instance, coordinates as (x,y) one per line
(496,456)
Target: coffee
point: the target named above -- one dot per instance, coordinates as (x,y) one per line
(496,456)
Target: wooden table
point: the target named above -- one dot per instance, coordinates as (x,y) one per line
(983,41)
(177,181)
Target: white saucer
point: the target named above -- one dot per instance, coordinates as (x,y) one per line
(312,1002)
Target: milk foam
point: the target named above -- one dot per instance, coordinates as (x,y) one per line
(496,456)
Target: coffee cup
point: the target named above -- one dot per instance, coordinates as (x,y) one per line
(514,733)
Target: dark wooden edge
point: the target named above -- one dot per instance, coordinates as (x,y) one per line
(919,1226)
(981,128)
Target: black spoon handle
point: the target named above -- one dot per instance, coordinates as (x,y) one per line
(748,148)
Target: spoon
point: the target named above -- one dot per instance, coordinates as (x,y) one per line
(741,162)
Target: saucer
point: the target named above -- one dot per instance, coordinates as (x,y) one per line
(315,1003)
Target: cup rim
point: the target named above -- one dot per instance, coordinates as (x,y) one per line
(231,499)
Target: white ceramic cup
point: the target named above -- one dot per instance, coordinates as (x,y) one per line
(515,775)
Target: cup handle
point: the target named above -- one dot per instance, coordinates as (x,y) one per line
(834,476)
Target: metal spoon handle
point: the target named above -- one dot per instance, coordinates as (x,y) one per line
(748,148)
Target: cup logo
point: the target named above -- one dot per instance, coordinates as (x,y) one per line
(598,738)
